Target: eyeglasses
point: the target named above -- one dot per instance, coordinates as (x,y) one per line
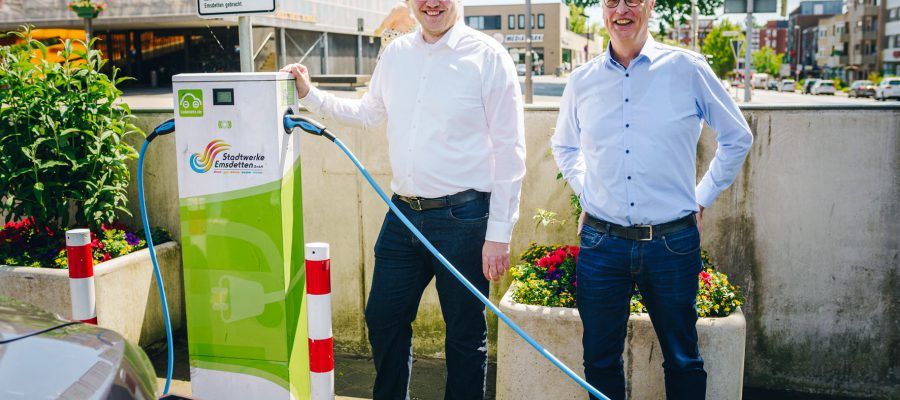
(629,3)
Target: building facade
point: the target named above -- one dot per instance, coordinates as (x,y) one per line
(774,36)
(831,56)
(865,42)
(554,46)
(681,32)
(802,41)
(891,53)
(153,40)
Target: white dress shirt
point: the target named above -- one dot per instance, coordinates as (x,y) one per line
(455,119)
(626,138)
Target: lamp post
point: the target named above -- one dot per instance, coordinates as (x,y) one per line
(87,10)
(529,95)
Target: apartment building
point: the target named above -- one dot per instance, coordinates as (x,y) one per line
(681,32)
(891,52)
(865,42)
(554,46)
(831,56)
(802,43)
(152,40)
(774,36)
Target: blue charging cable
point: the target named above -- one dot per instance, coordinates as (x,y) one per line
(163,129)
(315,128)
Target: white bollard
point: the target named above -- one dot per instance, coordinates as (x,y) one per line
(321,345)
(81,275)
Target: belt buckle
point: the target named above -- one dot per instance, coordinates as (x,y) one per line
(415,203)
(648,238)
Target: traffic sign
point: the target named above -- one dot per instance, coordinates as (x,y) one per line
(216,8)
(736,45)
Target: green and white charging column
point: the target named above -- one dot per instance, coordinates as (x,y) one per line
(242,236)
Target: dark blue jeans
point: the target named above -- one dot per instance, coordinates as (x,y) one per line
(403,268)
(665,270)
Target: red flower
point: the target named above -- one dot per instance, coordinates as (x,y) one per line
(551,269)
(706,277)
(106,257)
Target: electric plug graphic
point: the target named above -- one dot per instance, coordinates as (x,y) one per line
(237,298)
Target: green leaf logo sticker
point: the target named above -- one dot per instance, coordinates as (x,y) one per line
(190,103)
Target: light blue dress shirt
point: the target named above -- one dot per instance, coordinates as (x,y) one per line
(626,138)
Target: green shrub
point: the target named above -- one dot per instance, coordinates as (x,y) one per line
(61,136)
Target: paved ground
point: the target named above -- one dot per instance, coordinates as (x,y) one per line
(354,376)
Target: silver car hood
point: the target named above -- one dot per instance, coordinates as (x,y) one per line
(43,357)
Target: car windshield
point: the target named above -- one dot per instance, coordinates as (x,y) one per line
(827,83)
(891,81)
(864,83)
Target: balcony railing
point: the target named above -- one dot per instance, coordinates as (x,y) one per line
(870,35)
(869,59)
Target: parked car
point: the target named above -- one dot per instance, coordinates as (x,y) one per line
(759,81)
(807,86)
(773,84)
(44,357)
(861,89)
(889,88)
(520,69)
(823,86)
(787,85)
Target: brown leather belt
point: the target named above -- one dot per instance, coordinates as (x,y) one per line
(641,232)
(423,203)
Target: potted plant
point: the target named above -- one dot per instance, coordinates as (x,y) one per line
(86,8)
(63,165)
(541,300)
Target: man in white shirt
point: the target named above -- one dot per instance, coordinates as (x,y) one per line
(451,100)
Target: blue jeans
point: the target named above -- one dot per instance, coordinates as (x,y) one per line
(665,270)
(403,268)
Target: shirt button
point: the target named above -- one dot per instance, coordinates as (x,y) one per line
(627,151)
(626,100)
(627,75)
(627,125)
(629,178)
(632,204)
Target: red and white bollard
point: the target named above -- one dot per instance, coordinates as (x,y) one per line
(321,345)
(81,275)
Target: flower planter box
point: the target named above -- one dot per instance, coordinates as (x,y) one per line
(522,373)
(126,294)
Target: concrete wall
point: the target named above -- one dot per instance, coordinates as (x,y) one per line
(809,229)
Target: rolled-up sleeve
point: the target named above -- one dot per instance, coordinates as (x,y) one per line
(506,123)
(733,134)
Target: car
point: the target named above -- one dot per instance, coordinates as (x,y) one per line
(520,69)
(807,86)
(45,357)
(822,86)
(787,85)
(759,81)
(862,88)
(773,84)
(889,88)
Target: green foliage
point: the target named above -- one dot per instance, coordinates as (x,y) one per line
(577,19)
(61,136)
(545,218)
(874,77)
(719,47)
(766,61)
(667,10)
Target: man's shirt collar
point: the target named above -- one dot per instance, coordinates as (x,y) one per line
(650,50)
(450,39)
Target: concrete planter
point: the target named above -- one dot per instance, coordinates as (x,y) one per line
(522,373)
(126,294)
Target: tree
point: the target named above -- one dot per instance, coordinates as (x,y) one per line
(667,10)
(719,47)
(766,61)
(577,19)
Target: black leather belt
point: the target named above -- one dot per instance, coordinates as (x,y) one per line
(422,203)
(641,232)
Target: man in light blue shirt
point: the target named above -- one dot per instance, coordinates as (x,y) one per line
(626,141)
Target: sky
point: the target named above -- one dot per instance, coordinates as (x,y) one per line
(596,13)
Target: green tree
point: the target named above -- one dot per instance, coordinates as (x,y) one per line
(719,47)
(667,10)
(766,61)
(577,19)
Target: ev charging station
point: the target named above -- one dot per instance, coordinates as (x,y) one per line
(242,236)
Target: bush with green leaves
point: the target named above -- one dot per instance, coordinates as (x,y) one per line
(62,133)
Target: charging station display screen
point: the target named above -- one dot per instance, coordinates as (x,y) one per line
(223,97)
